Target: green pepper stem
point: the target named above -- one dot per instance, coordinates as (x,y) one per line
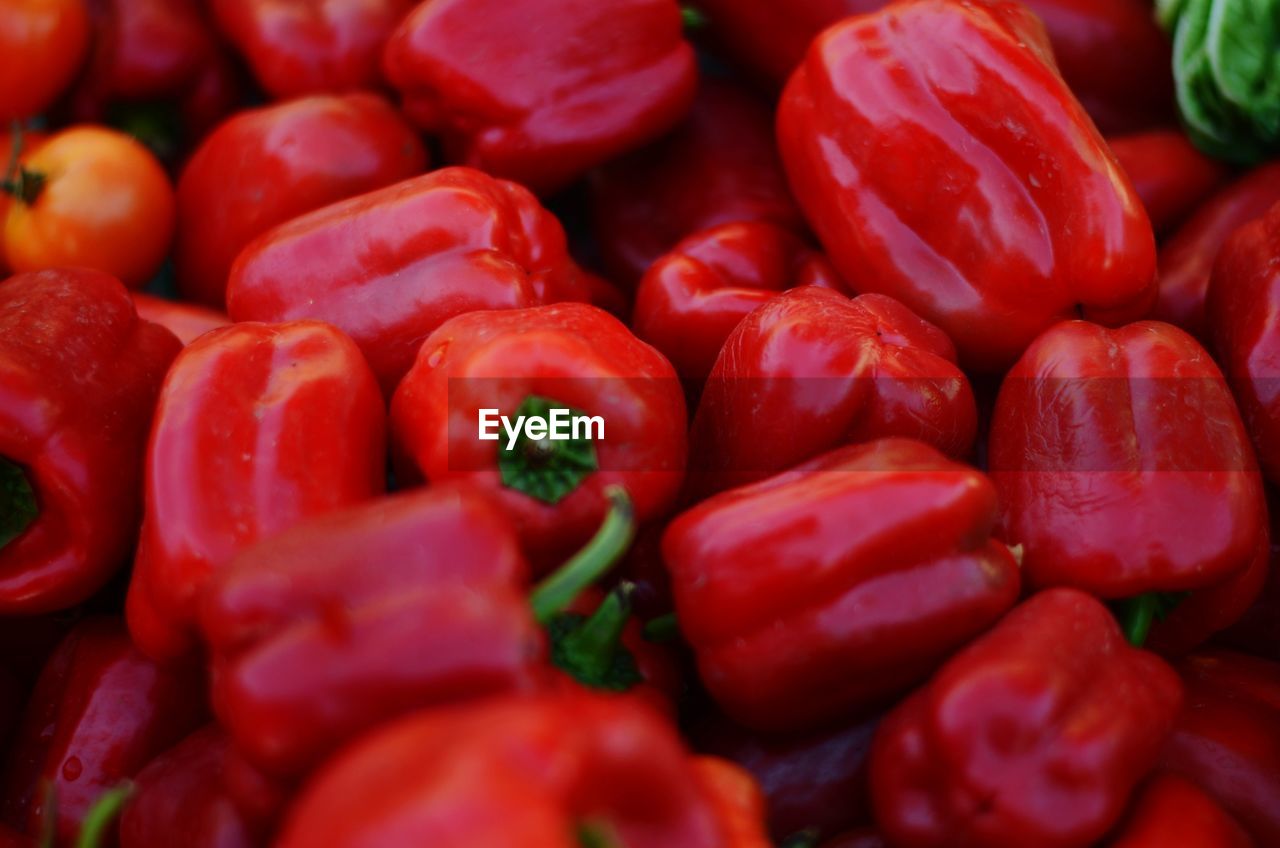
(1137,616)
(101,814)
(588,565)
(594,644)
(664,628)
(18,506)
(692,18)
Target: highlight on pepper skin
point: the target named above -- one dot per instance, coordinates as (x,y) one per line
(640,424)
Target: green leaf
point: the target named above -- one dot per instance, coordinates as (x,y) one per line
(542,468)
(18,507)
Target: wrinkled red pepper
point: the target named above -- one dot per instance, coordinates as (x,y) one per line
(267,165)
(297,47)
(156,51)
(1171,810)
(99,713)
(1186,260)
(527,362)
(532,771)
(1112,54)
(718,167)
(1033,735)
(1169,174)
(993,230)
(830,587)
(181,798)
(257,427)
(598,80)
(814,783)
(79,376)
(1227,738)
(812,370)
(1123,466)
(452,241)
(187,321)
(359,616)
(1244,318)
(690,300)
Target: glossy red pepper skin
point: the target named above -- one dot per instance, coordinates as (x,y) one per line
(599,80)
(1169,174)
(814,782)
(429,248)
(258,426)
(313,644)
(529,771)
(267,165)
(1227,738)
(991,229)
(297,47)
(720,165)
(1186,260)
(79,376)
(181,798)
(1033,735)
(579,357)
(187,321)
(1244,318)
(99,713)
(804,595)
(690,300)
(1111,52)
(1122,464)
(830,371)
(1257,632)
(156,51)
(1171,810)
(737,800)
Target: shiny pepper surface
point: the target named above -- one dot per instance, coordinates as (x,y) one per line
(812,370)
(539,772)
(79,376)
(1171,810)
(597,80)
(258,426)
(1035,734)
(1122,464)
(941,160)
(390,266)
(835,585)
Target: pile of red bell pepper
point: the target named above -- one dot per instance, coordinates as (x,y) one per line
(639,424)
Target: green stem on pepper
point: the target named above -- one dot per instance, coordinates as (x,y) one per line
(559,590)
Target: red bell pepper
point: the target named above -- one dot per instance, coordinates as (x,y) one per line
(830,587)
(527,362)
(1227,738)
(1186,260)
(181,798)
(1111,52)
(297,47)
(1123,466)
(1033,735)
(991,229)
(690,300)
(267,165)
(155,51)
(1169,174)
(258,426)
(719,166)
(99,713)
(598,80)
(79,376)
(528,771)
(738,803)
(44,44)
(435,246)
(311,645)
(812,370)
(187,321)
(1172,811)
(814,783)
(1244,318)
(1257,632)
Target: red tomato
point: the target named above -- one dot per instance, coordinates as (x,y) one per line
(43,43)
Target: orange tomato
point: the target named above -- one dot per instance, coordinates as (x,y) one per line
(42,45)
(101,201)
(30,141)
